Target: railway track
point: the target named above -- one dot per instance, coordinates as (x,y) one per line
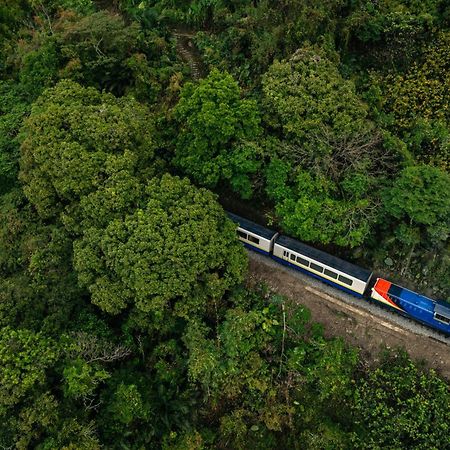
(389,319)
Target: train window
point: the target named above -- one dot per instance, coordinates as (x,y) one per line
(253,239)
(330,273)
(285,253)
(442,318)
(242,234)
(316,267)
(292,257)
(345,280)
(302,261)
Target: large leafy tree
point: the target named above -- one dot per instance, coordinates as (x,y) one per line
(320,172)
(74,139)
(310,103)
(176,252)
(217,126)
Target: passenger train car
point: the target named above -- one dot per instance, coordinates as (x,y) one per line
(328,268)
(342,274)
(254,236)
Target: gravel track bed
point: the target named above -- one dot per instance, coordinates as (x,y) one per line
(376,310)
(357,321)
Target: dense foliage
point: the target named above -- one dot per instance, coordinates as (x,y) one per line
(217,129)
(125,319)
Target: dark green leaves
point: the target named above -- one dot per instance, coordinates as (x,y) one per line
(176,250)
(214,142)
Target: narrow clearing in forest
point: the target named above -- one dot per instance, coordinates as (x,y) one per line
(189,53)
(356,326)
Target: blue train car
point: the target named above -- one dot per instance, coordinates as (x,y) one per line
(421,308)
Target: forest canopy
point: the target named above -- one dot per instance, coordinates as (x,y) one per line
(127,315)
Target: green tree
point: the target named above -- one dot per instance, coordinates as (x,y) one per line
(320,174)
(390,34)
(11,13)
(418,101)
(25,404)
(269,377)
(38,288)
(313,209)
(96,49)
(420,196)
(32,409)
(74,139)
(13,109)
(399,406)
(24,356)
(236,365)
(50,7)
(175,252)
(307,100)
(214,142)
(419,205)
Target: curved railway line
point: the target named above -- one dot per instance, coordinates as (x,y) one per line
(359,322)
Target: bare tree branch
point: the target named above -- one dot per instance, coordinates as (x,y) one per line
(92,349)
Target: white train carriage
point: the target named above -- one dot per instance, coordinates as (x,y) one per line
(328,268)
(254,236)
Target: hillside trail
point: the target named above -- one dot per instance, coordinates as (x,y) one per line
(189,53)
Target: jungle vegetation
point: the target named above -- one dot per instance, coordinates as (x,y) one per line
(125,318)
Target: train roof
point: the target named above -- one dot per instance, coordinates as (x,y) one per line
(252,226)
(418,300)
(325,258)
(442,309)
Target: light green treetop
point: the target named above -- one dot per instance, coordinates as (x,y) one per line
(74,139)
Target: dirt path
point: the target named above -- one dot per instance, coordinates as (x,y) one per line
(189,53)
(357,327)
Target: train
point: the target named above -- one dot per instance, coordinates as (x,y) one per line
(342,274)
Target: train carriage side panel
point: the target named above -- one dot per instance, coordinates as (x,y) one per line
(254,236)
(412,304)
(329,269)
